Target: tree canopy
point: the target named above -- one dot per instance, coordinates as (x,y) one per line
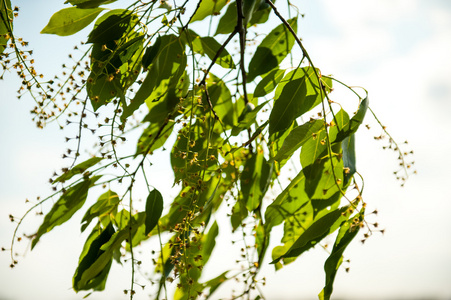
(234,103)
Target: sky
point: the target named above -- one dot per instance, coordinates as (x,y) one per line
(399,50)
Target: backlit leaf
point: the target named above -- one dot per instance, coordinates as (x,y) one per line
(91,252)
(298,137)
(272,50)
(106,204)
(211,47)
(68,204)
(70,20)
(268,83)
(89,3)
(253,180)
(5,26)
(78,169)
(154,208)
(111,28)
(346,234)
(208,8)
(315,233)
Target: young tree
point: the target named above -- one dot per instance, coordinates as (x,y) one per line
(229,100)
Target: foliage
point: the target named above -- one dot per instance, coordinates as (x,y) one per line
(157,69)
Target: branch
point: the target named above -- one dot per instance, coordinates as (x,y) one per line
(242,32)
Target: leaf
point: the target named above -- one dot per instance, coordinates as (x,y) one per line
(258,15)
(211,47)
(70,20)
(349,159)
(166,69)
(112,27)
(214,283)
(357,119)
(227,22)
(106,204)
(313,234)
(6,14)
(253,180)
(247,117)
(346,234)
(272,50)
(297,93)
(287,107)
(354,122)
(78,169)
(289,202)
(239,213)
(154,208)
(91,252)
(110,247)
(154,137)
(207,8)
(89,3)
(261,242)
(220,98)
(69,203)
(298,137)
(151,53)
(313,148)
(268,83)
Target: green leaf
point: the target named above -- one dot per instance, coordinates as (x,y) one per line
(209,242)
(357,119)
(154,137)
(91,252)
(248,9)
(272,50)
(110,247)
(166,69)
(78,169)
(319,229)
(349,157)
(151,53)
(105,205)
(220,98)
(208,8)
(261,242)
(354,122)
(71,20)
(69,203)
(268,83)
(6,14)
(313,148)
(258,15)
(89,3)
(211,47)
(297,93)
(298,137)
(253,180)
(154,208)
(115,69)
(214,283)
(227,22)
(239,213)
(346,234)
(287,107)
(290,201)
(112,27)
(247,116)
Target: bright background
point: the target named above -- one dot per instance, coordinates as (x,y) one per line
(399,50)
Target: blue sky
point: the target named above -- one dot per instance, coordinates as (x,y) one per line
(399,50)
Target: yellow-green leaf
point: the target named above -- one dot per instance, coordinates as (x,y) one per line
(71,20)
